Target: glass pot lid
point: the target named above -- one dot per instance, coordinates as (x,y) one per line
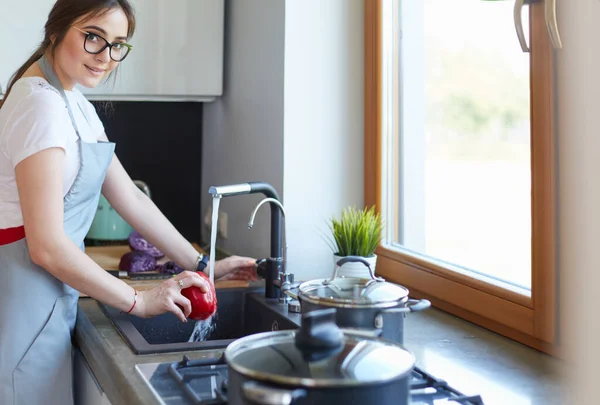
(353,292)
(319,354)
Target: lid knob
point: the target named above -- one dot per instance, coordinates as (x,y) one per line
(319,332)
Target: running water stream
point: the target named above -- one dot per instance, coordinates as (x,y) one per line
(213,237)
(203,329)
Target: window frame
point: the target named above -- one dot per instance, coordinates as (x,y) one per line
(529,320)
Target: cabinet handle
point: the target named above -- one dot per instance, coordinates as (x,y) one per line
(519,25)
(551,24)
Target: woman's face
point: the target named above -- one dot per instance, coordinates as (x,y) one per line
(73,64)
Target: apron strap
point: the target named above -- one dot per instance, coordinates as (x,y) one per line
(52,78)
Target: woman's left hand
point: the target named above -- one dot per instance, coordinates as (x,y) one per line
(235,268)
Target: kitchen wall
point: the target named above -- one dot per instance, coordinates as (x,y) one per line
(323,125)
(291,115)
(243,129)
(579,189)
(161,144)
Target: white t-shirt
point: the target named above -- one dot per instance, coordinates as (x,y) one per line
(33,118)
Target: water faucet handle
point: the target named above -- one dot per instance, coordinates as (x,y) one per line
(286,278)
(286,281)
(261,268)
(285,284)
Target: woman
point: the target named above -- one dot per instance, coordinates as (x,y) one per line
(54,162)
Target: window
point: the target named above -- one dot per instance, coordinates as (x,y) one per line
(459,159)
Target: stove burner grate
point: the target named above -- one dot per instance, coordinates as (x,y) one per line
(204,382)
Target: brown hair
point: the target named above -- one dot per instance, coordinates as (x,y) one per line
(63,14)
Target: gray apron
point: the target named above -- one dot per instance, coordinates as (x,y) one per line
(38,311)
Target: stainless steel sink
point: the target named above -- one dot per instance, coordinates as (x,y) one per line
(241,312)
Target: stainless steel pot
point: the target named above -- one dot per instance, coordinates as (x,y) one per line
(317,364)
(372,307)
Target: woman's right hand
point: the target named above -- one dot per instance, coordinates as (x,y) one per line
(167,297)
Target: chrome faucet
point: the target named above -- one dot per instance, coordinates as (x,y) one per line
(285,280)
(284,236)
(276,260)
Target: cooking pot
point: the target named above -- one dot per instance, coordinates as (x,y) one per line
(317,364)
(370,306)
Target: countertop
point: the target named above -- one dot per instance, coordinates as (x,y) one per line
(476,361)
(108,257)
(471,359)
(111,360)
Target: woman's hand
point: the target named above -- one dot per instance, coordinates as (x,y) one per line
(235,268)
(167,297)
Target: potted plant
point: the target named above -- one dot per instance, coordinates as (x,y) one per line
(356,233)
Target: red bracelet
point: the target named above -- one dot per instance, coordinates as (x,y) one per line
(134,302)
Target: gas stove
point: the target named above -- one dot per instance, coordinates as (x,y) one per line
(204,382)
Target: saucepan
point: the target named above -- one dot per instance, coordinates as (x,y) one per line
(371,306)
(319,363)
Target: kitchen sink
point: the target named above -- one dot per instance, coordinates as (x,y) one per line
(241,312)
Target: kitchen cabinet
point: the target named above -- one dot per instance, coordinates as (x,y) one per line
(177,54)
(86,389)
(21,32)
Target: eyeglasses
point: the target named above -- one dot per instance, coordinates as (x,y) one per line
(96,44)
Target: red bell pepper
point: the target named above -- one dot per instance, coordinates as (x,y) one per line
(204,305)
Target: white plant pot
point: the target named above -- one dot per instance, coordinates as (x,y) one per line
(355,269)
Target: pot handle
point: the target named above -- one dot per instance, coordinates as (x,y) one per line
(143,186)
(365,333)
(411,306)
(262,394)
(289,293)
(350,259)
